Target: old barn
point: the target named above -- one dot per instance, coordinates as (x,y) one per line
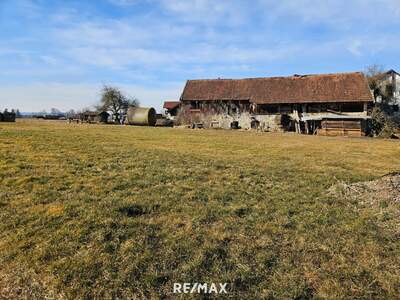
(328,104)
(171,108)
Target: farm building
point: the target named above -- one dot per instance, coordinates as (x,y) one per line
(328,104)
(391,79)
(94,117)
(171,108)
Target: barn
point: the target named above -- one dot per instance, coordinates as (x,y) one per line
(326,104)
(171,108)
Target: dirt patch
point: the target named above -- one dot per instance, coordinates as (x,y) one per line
(384,189)
(379,198)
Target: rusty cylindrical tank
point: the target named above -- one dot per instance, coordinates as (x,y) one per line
(142,116)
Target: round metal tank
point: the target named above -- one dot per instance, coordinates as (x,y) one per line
(142,116)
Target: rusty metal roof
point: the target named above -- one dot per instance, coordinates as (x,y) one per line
(342,87)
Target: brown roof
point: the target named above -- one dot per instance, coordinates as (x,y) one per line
(171,104)
(344,87)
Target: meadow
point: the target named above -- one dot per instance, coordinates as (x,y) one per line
(116,212)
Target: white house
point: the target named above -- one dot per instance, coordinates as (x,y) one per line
(393,78)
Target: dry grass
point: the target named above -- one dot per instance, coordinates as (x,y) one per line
(122,212)
(381,197)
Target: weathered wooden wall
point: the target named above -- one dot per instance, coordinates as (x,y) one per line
(341,128)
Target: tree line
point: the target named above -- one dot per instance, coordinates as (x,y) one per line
(12,111)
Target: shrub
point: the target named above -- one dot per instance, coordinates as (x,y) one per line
(382,126)
(184,116)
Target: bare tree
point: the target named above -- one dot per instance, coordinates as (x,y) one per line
(70,114)
(55,111)
(112,99)
(18,114)
(374,74)
(374,70)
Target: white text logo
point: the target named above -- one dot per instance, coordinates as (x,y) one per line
(200,288)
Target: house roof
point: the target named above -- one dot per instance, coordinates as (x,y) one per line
(391,71)
(343,87)
(171,104)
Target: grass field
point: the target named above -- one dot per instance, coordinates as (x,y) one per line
(91,211)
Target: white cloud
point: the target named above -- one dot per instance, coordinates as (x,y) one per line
(341,13)
(105,33)
(373,44)
(355,47)
(30,8)
(119,58)
(124,2)
(121,33)
(50,60)
(227,12)
(66,15)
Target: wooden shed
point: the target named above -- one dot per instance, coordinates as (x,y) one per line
(94,117)
(172,108)
(343,127)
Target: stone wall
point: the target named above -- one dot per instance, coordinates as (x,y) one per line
(266,122)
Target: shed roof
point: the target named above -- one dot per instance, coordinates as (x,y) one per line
(171,104)
(342,87)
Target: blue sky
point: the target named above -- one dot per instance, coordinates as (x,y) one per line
(59,53)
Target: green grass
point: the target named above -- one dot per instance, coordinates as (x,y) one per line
(91,211)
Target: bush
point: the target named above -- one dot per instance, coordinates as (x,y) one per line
(184,116)
(388,131)
(382,126)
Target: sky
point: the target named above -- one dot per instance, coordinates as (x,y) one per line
(59,53)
